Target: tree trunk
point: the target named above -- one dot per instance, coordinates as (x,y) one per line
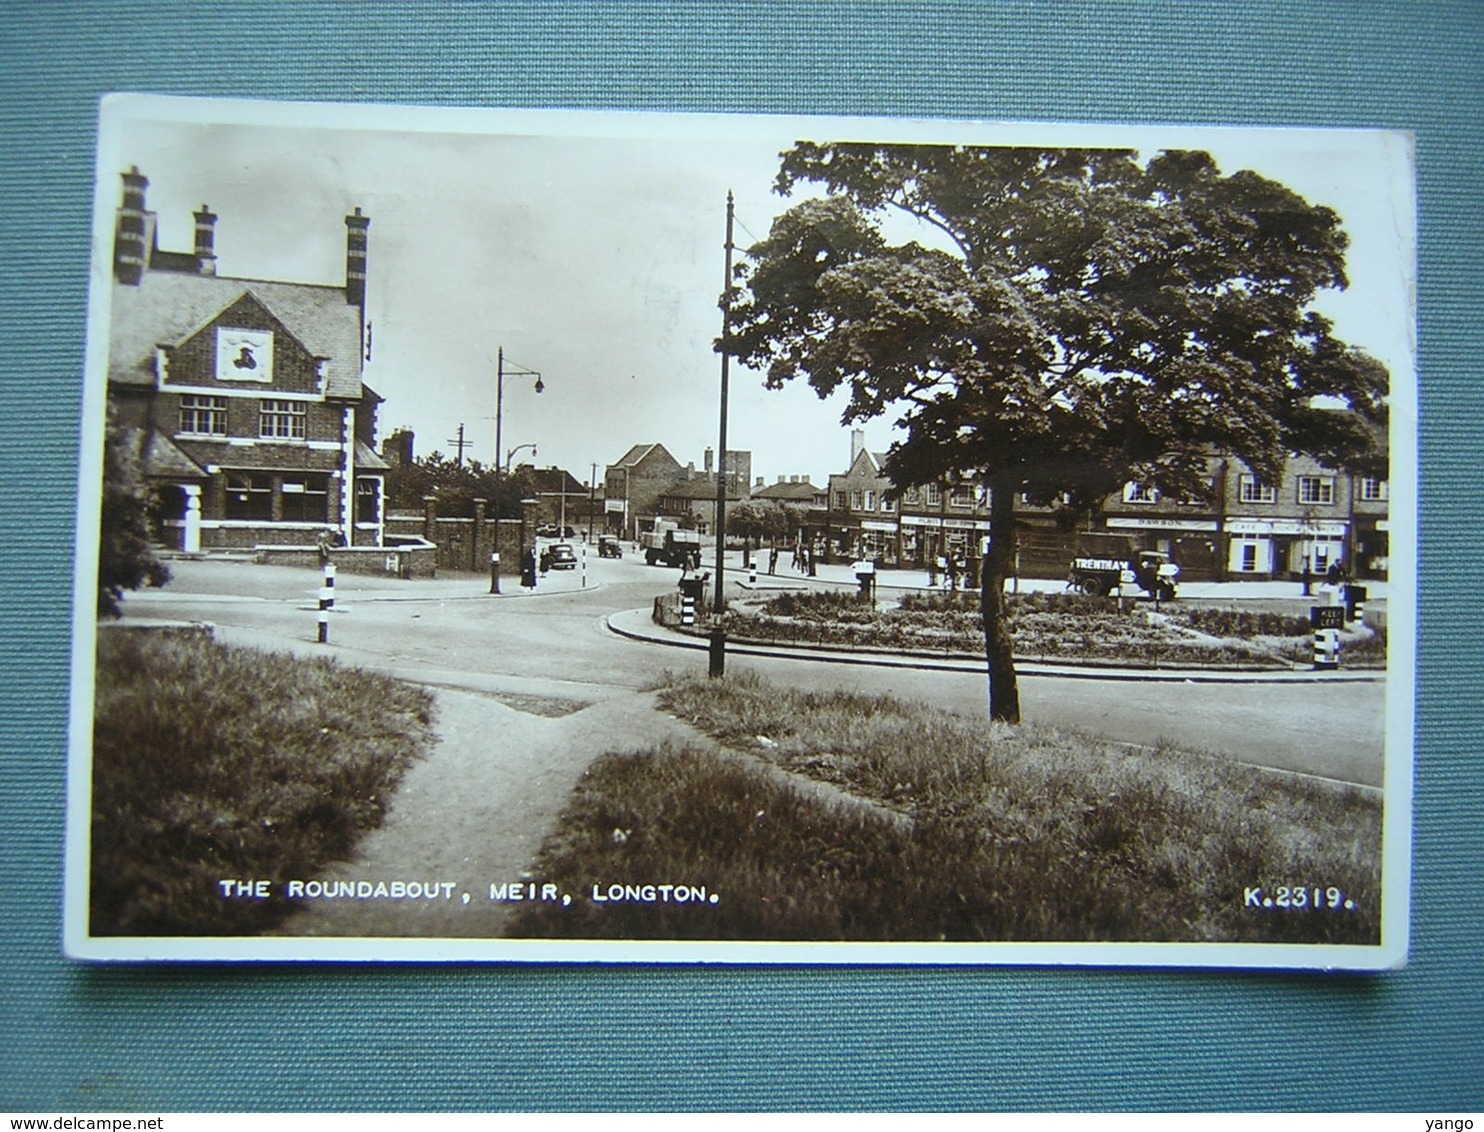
(999,649)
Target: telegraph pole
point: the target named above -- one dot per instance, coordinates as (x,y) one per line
(718,634)
(459,445)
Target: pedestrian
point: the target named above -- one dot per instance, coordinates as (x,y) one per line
(773,560)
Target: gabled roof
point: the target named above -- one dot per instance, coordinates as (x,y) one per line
(166,306)
(789,492)
(553,481)
(866,462)
(639,453)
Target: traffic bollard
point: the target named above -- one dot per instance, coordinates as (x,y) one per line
(326,603)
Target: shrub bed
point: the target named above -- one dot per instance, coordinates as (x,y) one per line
(1053,626)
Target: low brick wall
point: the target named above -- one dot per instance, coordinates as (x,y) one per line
(417,559)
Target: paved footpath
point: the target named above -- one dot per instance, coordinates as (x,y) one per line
(477,809)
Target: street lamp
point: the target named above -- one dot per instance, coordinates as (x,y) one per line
(510,454)
(718,649)
(501,369)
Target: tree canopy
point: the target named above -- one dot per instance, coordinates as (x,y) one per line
(1072,320)
(456,484)
(1067,321)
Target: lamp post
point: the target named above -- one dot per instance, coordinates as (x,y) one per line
(501,369)
(718,653)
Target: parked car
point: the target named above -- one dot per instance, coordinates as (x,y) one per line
(608,547)
(559,556)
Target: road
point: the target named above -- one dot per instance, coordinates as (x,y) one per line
(452,633)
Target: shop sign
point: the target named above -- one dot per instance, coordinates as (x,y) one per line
(1320,528)
(1152,522)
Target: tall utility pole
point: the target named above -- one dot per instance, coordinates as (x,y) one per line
(500,371)
(459,445)
(718,665)
(592,486)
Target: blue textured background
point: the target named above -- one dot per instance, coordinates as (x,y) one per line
(73,1037)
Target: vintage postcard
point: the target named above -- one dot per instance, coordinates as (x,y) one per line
(532,536)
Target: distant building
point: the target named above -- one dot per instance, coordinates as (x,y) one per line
(632,486)
(256,426)
(861,516)
(562,500)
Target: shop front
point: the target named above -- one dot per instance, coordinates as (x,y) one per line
(1288,549)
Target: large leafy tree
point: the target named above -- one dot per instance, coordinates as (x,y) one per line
(1066,321)
(456,484)
(126,558)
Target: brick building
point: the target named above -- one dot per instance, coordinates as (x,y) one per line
(257,428)
(632,486)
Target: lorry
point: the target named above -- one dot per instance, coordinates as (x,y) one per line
(670,545)
(1104,562)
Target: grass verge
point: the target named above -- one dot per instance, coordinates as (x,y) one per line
(961,831)
(212,763)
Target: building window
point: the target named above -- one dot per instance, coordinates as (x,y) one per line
(840,502)
(1253,490)
(368,501)
(910,496)
(962,498)
(249,496)
(306,498)
(281,420)
(1140,493)
(855,501)
(1200,498)
(203,416)
(1316,489)
(933,495)
(1249,557)
(1372,489)
(888,504)
(870,501)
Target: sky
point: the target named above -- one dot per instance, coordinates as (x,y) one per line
(589,247)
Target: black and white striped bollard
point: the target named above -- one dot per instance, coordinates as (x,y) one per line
(1327,621)
(326,603)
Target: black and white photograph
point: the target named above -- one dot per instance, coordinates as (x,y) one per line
(554,536)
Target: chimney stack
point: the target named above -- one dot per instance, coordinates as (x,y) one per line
(355,257)
(857,443)
(128,240)
(206,240)
(709,458)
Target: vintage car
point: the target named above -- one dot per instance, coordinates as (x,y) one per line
(559,556)
(608,547)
